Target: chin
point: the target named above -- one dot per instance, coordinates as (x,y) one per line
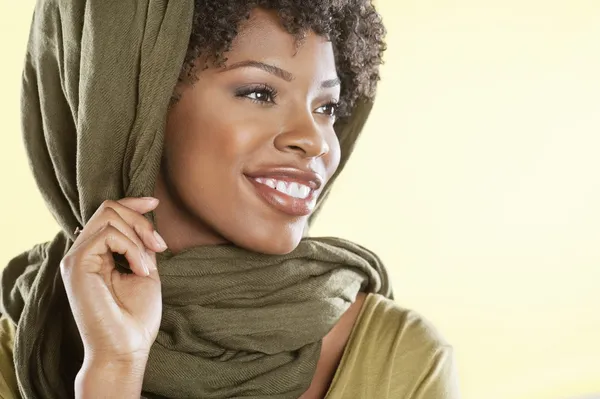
(270,242)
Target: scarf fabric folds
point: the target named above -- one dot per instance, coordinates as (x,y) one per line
(97,81)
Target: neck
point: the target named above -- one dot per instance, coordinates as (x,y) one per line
(176,224)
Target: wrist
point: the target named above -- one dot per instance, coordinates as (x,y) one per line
(115,367)
(108,378)
(117,363)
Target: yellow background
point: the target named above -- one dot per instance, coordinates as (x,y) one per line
(477,181)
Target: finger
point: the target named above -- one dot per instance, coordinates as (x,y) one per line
(132,210)
(109,217)
(97,221)
(139,204)
(129,210)
(111,240)
(153,268)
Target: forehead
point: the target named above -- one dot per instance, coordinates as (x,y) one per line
(263,37)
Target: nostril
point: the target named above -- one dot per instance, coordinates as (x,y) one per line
(296,148)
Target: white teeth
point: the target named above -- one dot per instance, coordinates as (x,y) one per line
(299,190)
(292,189)
(304,191)
(282,187)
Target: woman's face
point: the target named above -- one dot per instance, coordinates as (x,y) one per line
(250,146)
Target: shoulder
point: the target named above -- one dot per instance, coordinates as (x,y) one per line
(8,380)
(406,328)
(398,353)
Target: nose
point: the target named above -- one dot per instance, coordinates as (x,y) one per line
(305,137)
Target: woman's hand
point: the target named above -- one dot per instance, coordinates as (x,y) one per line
(118,315)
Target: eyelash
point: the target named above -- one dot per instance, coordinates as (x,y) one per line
(261,88)
(245,92)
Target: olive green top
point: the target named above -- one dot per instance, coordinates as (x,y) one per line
(392,353)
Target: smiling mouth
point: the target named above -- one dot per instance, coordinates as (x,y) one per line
(292,189)
(287,196)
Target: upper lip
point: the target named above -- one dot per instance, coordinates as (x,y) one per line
(304,176)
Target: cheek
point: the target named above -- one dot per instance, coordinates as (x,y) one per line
(209,149)
(334,155)
(227,127)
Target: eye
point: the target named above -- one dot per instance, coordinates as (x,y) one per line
(328,109)
(260,96)
(258,93)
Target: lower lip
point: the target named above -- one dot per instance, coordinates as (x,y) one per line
(283,202)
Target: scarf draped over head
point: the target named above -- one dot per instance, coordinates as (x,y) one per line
(97,81)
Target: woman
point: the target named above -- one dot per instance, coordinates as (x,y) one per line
(215,292)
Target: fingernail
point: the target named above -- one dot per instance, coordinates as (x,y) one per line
(159,240)
(151,265)
(150,199)
(145,263)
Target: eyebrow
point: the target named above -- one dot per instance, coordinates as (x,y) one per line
(280,73)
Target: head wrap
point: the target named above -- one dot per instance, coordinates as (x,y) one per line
(97,82)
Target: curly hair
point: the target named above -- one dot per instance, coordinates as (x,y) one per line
(353,26)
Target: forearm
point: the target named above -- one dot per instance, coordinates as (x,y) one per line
(110,380)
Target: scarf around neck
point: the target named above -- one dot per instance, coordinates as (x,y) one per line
(97,81)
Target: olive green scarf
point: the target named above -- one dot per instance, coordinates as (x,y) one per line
(96,87)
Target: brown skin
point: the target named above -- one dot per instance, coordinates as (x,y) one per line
(117,315)
(213,138)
